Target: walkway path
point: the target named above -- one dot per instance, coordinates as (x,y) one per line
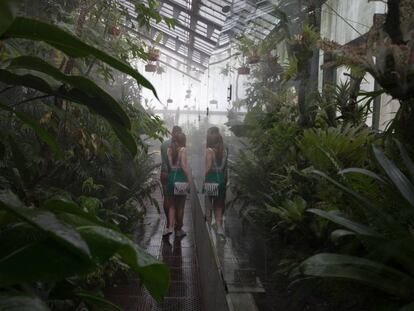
(178,254)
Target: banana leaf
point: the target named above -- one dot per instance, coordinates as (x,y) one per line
(46,222)
(104,241)
(48,85)
(362,270)
(31,29)
(401,182)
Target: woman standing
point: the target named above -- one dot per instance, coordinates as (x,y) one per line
(216,159)
(177,158)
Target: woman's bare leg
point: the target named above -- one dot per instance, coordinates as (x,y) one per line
(179,213)
(171,211)
(218,212)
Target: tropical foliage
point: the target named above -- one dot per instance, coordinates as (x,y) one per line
(75,171)
(332,196)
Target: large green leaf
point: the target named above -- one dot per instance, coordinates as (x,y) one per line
(42,261)
(402,183)
(103,241)
(31,29)
(37,128)
(107,106)
(63,207)
(16,235)
(362,171)
(47,222)
(369,272)
(409,307)
(21,302)
(344,221)
(386,218)
(6,15)
(406,158)
(48,85)
(97,301)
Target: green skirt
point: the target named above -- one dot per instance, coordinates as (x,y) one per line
(217,177)
(175,175)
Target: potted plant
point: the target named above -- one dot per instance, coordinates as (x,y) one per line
(153,54)
(243,70)
(253,57)
(114,31)
(213,102)
(249,49)
(153,51)
(169,101)
(151,67)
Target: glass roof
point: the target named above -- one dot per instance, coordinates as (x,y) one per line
(203,27)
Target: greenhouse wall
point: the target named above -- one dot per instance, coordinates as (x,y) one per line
(343,21)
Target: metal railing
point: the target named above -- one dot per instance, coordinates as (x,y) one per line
(213,291)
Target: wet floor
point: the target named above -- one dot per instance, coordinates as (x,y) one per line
(180,256)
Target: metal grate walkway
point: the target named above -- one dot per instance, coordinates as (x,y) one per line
(178,254)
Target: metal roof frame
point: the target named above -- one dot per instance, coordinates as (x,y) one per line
(203,28)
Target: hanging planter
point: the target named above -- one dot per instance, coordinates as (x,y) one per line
(169,101)
(244,70)
(213,102)
(150,67)
(114,31)
(153,54)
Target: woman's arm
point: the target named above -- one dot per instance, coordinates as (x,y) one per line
(184,163)
(209,160)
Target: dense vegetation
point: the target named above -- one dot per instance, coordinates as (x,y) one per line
(340,211)
(75,172)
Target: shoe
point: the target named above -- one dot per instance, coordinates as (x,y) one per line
(180,233)
(167,231)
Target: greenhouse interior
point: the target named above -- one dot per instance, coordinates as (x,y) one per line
(212,155)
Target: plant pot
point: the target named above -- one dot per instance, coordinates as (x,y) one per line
(243,70)
(253,59)
(150,67)
(153,55)
(169,101)
(114,31)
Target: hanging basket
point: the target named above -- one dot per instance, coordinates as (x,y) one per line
(243,70)
(169,101)
(153,54)
(114,31)
(213,102)
(150,67)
